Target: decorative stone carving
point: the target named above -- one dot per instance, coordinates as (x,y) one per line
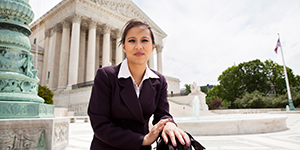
(24,138)
(196,92)
(159,48)
(61,131)
(195,89)
(66,24)
(48,33)
(34,134)
(106,28)
(76,18)
(92,24)
(116,33)
(121,8)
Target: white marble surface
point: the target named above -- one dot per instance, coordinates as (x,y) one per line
(81,135)
(233,124)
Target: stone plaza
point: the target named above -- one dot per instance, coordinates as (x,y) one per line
(81,134)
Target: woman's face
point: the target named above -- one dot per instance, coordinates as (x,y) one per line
(138,45)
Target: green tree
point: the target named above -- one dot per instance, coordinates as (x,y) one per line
(253,100)
(297,78)
(46,94)
(213,94)
(187,89)
(266,78)
(204,89)
(276,77)
(253,77)
(230,86)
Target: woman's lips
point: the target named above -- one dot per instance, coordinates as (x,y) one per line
(139,54)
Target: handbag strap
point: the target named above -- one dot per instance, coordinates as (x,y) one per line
(195,144)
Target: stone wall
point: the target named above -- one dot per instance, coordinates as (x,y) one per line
(173,85)
(75,100)
(50,134)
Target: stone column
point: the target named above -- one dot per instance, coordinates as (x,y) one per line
(56,59)
(64,56)
(82,54)
(151,61)
(106,46)
(45,60)
(119,49)
(74,52)
(91,52)
(159,58)
(51,58)
(97,50)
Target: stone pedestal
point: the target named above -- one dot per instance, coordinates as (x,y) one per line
(43,134)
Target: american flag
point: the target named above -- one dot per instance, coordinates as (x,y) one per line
(277,45)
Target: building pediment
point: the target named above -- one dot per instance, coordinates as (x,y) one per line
(124,8)
(128,9)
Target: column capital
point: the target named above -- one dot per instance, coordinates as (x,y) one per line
(159,48)
(92,24)
(84,26)
(117,33)
(76,18)
(52,31)
(106,28)
(56,28)
(66,24)
(47,33)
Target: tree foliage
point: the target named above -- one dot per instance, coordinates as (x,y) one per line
(187,89)
(264,78)
(46,94)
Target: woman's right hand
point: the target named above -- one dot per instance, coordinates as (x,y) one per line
(154,132)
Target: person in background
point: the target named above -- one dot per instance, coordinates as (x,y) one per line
(125,96)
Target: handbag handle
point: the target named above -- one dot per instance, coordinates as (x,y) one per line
(161,145)
(194,143)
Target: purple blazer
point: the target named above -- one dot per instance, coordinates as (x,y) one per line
(120,119)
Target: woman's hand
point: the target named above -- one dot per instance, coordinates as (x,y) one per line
(172,131)
(153,134)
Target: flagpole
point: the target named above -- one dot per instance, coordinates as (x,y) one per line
(291,105)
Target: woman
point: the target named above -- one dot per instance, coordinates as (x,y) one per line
(124,97)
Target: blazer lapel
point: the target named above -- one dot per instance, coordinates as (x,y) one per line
(148,92)
(130,98)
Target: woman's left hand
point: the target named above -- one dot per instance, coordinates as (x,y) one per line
(172,131)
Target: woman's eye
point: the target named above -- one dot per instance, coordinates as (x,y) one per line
(131,41)
(145,40)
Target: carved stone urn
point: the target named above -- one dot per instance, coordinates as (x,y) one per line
(18,80)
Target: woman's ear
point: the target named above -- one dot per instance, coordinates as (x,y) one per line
(153,46)
(123,48)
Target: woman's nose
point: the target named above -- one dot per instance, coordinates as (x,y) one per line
(138,45)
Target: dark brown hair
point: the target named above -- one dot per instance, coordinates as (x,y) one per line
(134,23)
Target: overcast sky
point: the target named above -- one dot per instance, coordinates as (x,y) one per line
(205,37)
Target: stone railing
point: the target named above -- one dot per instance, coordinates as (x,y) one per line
(81,85)
(244,111)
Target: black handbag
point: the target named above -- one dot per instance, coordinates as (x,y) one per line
(161,145)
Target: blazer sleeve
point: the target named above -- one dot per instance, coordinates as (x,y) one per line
(99,111)
(162,110)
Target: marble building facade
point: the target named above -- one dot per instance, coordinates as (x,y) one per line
(76,37)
